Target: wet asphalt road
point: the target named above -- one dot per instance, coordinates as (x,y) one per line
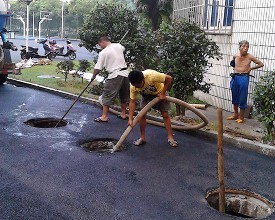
(45,174)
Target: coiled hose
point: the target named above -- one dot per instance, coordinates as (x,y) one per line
(176,127)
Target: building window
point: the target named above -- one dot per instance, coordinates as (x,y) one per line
(214,13)
(217,13)
(227,19)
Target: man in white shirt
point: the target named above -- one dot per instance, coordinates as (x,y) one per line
(112,59)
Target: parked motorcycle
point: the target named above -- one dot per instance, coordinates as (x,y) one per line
(33,51)
(58,50)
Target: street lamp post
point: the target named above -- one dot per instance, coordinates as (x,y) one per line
(62,18)
(27,29)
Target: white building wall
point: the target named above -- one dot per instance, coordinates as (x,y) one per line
(254,21)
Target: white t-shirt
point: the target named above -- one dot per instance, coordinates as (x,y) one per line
(112,59)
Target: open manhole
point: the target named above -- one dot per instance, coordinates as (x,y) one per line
(46,122)
(100,145)
(242,203)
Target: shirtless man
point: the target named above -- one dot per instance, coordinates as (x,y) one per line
(240,79)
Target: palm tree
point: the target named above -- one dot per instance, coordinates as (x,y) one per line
(155,10)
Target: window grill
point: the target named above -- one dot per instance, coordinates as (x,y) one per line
(214,16)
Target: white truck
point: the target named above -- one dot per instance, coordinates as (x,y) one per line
(6,65)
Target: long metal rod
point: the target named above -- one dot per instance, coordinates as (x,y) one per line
(73,103)
(124,36)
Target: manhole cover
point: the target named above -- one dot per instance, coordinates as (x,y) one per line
(100,145)
(242,203)
(46,122)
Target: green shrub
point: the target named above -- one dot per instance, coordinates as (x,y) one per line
(186,53)
(84,65)
(264,104)
(64,67)
(112,20)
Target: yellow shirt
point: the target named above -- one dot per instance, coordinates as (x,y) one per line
(154,83)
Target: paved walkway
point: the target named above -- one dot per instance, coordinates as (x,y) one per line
(248,134)
(250,129)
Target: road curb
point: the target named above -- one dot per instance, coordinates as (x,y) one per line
(236,141)
(239,142)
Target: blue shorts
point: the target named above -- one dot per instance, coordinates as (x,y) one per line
(239,88)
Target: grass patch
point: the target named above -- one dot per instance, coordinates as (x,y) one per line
(193,100)
(73,85)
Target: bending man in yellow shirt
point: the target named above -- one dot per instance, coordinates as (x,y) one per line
(150,84)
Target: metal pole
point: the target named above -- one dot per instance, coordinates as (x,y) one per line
(33,24)
(124,36)
(221,162)
(27,32)
(62,19)
(24,26)
(73,103)
(39,27)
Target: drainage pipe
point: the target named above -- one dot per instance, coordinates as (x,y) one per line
(176,127)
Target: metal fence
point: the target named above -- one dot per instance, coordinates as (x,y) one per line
(227,22)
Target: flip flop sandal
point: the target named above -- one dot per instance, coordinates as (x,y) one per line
(239,121)
(119,116)
(232,118)
(99,120)
(172,143)
(139,142)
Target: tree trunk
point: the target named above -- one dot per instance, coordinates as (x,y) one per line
(154,15)
(180,110)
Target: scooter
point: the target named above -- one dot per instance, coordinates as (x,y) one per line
(33,51)
(58,50)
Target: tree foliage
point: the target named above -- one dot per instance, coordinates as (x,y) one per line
(185,51)
(155,10)
(141,51)
(264,104)
(110,20)
(74,13)
(179,48)
(64,67)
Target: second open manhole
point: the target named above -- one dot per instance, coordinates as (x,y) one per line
(46,122)
(242,203)
(100,145)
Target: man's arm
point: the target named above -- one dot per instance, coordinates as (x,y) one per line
(95,73)
(132,107)
(258,63)
(167,83)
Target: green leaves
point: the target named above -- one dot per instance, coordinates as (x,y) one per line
(264,102)
(178,48)
(111,20)
(84,65)
(187,51)
(64,67)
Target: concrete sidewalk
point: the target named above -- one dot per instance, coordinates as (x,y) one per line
(246,135)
